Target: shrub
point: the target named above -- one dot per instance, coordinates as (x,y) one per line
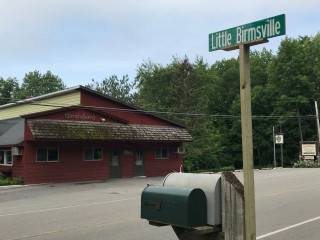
(11,181)
(305,164)
(227,168)
(218,169)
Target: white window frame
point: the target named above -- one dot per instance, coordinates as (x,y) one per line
(161,149)
(5,155)
(47,148)
(93,148)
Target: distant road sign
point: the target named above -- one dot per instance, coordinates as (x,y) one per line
(279,139)
(266,28)
(309,149)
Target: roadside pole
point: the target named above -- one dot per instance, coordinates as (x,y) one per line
(247,146)
(274,148)
(281,147)
(318,126)
(242,37)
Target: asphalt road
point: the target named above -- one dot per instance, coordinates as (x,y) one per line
(287,207)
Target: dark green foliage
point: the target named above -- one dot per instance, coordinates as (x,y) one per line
(207,100)
(7,89)
(120,89)
(36,84)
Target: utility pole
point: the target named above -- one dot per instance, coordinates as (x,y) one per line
(281,147)
(318,126)
(274,148)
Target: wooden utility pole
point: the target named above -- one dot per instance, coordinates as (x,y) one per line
(318,126)
(317,119)
(281,147)
(247,146)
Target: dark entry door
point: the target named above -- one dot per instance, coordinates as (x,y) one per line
(115,164)
(139,163)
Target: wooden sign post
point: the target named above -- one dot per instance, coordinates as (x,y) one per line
(242,37)
(247,146)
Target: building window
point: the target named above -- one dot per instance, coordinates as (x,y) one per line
(47,154)
(5,156)
(92,154)
(161,153)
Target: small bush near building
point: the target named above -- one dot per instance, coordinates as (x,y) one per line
(305,164)
(10,181)
(218,169)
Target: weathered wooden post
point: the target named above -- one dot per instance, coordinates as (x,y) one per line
(232,198)
(242,37)
(247,145)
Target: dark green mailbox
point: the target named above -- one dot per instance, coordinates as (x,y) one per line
(179,206)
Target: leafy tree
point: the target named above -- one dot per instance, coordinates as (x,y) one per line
(284,84)
(121,89)
(7,89)
(187,91)
(262,128)
(36,84)
(224,93)
(225,86)
(292,86)
(181,88)
(153,85)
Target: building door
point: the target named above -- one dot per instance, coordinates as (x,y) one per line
(139,163)
(115,164)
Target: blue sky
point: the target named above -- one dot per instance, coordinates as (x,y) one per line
(80,40)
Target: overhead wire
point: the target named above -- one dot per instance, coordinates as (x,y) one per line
(141,111)
(180,114)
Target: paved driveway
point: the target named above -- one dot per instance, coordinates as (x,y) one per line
(100,210)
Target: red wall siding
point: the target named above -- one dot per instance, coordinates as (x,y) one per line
(72,167)
(162,167)
(133,118)
(17,167)
(127,162)
(5,168)
(27,132)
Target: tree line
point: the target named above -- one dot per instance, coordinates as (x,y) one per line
(206,99)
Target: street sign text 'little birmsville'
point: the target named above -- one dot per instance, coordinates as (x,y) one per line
(263,29)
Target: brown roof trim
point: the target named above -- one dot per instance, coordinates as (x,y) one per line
(39,114)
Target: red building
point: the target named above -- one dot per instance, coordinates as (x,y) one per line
(99,138)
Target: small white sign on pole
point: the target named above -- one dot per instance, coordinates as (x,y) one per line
(279,139)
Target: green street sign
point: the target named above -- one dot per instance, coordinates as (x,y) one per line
(263,29)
